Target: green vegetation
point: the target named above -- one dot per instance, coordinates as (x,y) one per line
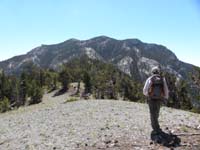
(179,93)
(87,81)
(71,99)
(195,77)
(184,128)
(64,78)
(103,81)
(196,80)
(195,110)
(4,105)
(100,80)
(26,88)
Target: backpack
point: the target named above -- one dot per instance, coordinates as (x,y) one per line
(156,89)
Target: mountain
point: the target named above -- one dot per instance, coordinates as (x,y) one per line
(132,56)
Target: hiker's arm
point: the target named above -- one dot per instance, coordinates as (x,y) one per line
(166,90)
(146,87)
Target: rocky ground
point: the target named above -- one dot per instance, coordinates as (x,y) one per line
(92,125)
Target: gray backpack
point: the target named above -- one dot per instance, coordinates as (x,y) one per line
(156,90)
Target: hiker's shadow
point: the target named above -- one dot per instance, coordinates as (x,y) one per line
(166,139)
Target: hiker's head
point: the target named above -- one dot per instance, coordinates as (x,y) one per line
(155,70)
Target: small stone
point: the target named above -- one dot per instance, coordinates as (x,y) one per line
(107,141)
(112,145)
(116,141)
(77,145)
(172,131)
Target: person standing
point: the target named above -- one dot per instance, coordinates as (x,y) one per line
(156,90)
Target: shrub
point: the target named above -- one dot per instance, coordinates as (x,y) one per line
(195,110)
(71,99)
(4,105)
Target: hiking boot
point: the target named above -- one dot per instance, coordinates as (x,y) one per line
(157,139)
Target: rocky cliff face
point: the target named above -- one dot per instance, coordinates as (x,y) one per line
(132,56)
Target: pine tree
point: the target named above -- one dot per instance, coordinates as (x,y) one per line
(184,100)
(42,77)
(23,89)
(14,99)
(64,78)
(4,92)
(36,93)
(55,82)
(4,86)
(87,82)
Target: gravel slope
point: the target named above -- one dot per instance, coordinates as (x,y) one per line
(91,124)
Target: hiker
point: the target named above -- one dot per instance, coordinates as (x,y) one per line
(156,90)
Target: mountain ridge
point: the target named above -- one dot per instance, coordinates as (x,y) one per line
(131,56)
(74,39)
(132,40)
(95,46)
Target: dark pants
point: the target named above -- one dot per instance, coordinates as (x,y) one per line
(154,108)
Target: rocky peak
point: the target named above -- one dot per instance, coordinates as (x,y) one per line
(132,56)
(142,55)
(101,38)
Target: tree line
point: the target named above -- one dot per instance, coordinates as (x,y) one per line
(101,80)
(25,89)
(179,94)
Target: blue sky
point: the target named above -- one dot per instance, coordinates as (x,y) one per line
(25,24)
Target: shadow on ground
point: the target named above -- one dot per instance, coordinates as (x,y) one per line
(166,139)
(60,92)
